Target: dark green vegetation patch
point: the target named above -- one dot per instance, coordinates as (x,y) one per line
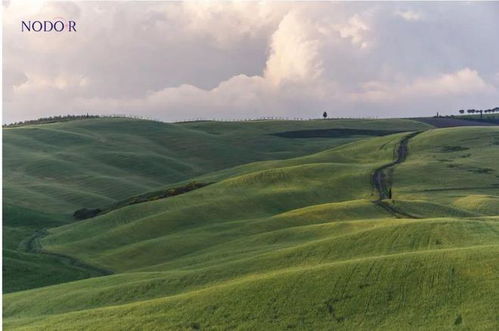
(334,133)
(85,213)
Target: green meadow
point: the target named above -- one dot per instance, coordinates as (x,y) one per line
(289,232)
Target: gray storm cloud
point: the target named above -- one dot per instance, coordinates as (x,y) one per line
(228,60)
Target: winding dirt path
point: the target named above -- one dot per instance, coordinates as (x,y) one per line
(32,245)
(382,182)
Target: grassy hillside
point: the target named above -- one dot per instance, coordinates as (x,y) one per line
(64,166)
(443,289)
(300,243)
(51,170)
(333,176)
(461,167)
(22,269)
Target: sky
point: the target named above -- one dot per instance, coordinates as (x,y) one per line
(176,61)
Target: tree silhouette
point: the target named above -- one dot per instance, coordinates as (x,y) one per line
(324,115)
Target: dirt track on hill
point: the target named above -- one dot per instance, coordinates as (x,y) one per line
(32,245)
(381,180)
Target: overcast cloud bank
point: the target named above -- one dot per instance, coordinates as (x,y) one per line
(178,61)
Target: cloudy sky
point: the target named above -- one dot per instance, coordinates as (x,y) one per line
(228,60)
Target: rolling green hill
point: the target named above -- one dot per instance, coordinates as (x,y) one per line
(462,169)
(292,241)
(64,166)
(51,170)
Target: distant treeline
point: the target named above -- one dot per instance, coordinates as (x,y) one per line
(481,115)
(273,118)
(51,119)
(480,111)
(66,118)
